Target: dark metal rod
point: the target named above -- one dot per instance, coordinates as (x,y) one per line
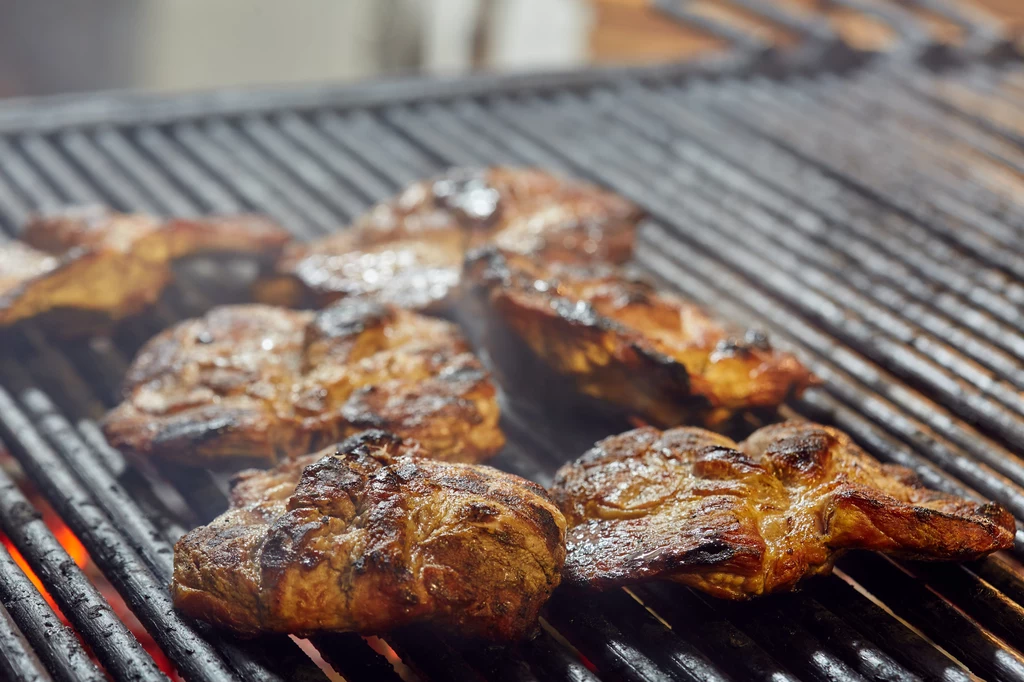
(602,166)
(131,159)
(938,156)
(608,648)
(51,640)
(995,611)
(899,641)
(386,153)
(239,177)
(662,645)
(697,620)
(978,242)
(231,143)
(605,164)
(957,633)
(332,154)
(147,597)
(204,189)
(804,651)
(991,278)
(432,658)
(743,40)
(18,662)
(757,162)
(552,661)
(114,499)
(82,604)
(1008,464)
(978,403)
(25,178)
(352,657)
(895,170)
(304,167)
(120,188)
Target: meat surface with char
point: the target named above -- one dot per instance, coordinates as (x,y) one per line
(256,383)
(369,536)
(741,520)
(90,267)
(409,250)
(620,340)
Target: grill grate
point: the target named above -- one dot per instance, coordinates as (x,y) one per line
(889,260)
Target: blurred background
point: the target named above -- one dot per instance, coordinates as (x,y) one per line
(61,46)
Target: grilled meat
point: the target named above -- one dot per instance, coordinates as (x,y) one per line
(259,383)
(622,341)
(369,536)
(409,251)
(742,520)
(93,266)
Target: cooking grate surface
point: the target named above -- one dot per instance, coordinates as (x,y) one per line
(870,221)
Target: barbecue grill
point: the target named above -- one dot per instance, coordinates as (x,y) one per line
(861,208)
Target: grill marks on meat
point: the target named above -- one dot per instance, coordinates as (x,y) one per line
(622,341)
(370,536)
(92,266)
(259,383)
(409,250)
(742,520)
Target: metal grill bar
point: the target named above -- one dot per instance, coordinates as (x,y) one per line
(190,653)
(300,195)
(968,441)
(444,140)
(936,618)
(827,198)
(754,189)
(51,639)
(675,208)
(88,612)
(257,662)
(999,614)
(951,166)
(903,644)
(973,403)
(350,655)
(701,623)
(620,626)
(947,217)
(17,660)
(739,39)
(994,485)
(279,152)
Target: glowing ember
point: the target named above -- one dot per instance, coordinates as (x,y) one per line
(76,550)
(637,422)
(68,541)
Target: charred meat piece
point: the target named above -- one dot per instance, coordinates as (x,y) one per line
(409,250)
(368,536)
(620,340)
(743,520)
(92,266)
(259,383)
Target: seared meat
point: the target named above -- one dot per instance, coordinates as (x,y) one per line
(369,536)
(409,251)
(93,266)
(258,383)
(414,273)
(742,520)
(620,340)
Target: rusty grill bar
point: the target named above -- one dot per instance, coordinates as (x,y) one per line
(866,216)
